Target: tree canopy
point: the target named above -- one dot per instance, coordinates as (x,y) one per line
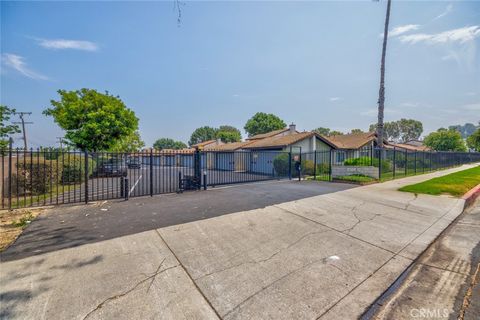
(130,143)
(202,134)
(327,132)
(228,134)
(445,140)
(167,143)
(262,123)
(356,131)
(402,130)
(92,121)
(473,141)
(466,130)
(6,128)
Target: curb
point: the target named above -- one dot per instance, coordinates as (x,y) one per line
(471,196)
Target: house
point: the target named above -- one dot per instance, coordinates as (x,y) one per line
(289,140)
(412,145)
(353,145)
(258,152)
(208,144)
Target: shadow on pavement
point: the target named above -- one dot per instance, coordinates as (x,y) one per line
(71,226)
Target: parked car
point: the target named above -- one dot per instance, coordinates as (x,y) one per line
(134,163)
(115,167)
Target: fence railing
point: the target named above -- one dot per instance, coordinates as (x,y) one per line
(45,177)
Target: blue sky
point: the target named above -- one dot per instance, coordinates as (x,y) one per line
(311,63)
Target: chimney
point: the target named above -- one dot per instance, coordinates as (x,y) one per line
(219,141)
(292,128)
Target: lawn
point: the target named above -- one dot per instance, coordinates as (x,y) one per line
(357,178)
(455,184)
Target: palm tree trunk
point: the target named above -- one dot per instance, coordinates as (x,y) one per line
(381,94)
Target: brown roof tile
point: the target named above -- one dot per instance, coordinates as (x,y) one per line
(204,143)
(268,134)
(411,147)
(281,141)
(351,141)
(229,146)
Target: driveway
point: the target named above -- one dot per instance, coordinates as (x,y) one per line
(70,226)
(328,256)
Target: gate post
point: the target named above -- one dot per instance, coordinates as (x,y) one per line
(197,167)
(415,162)
(330,165)
(394,161)
(315,165)
(380,153)
(290,165)
(10,174)
(151,173)
(86,176)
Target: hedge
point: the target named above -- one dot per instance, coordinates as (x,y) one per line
(368,161)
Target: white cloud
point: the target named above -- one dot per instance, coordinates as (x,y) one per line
(335,99)
(460,35)
(447,10)
(402,29)
(18,63)
(62,44)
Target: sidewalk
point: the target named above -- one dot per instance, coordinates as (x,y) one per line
(444,282)
(328,256)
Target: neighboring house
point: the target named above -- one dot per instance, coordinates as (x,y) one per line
(353,145)
(290,140)
(208,144)
(413,145)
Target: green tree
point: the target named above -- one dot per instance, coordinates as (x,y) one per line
(322,131)
(391,130)
(473,141)
(262,123)
(466,130)
(167,143)
(409,129)
(445,140)
(356,131)
(131,143)
(229,134)
(202,134)
(6,129)
(92,121)
(336,133)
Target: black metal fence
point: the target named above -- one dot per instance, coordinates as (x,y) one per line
(45,177)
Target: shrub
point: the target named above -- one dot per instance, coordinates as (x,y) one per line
(73,169)
(38,175)
(368,161)
(281,163)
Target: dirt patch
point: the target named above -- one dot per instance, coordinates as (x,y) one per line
(13,222)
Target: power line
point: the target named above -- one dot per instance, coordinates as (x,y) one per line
(23,123)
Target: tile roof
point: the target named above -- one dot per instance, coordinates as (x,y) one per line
(281,141)
(204,143)
(352,141)
(229,146)
(268,134)
(411,147)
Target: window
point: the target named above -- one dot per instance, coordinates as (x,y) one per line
(340,156)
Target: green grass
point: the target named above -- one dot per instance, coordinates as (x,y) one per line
(356,178)
(318,178)
(455,184)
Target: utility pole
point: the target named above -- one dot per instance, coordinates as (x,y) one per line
(60,141)
(23,123)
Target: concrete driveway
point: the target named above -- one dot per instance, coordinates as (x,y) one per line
(327,256)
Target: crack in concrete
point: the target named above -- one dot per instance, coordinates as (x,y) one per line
(359,220)
(262,260)
(120,295)
(271,284)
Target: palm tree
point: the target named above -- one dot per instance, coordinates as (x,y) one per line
(381,94)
